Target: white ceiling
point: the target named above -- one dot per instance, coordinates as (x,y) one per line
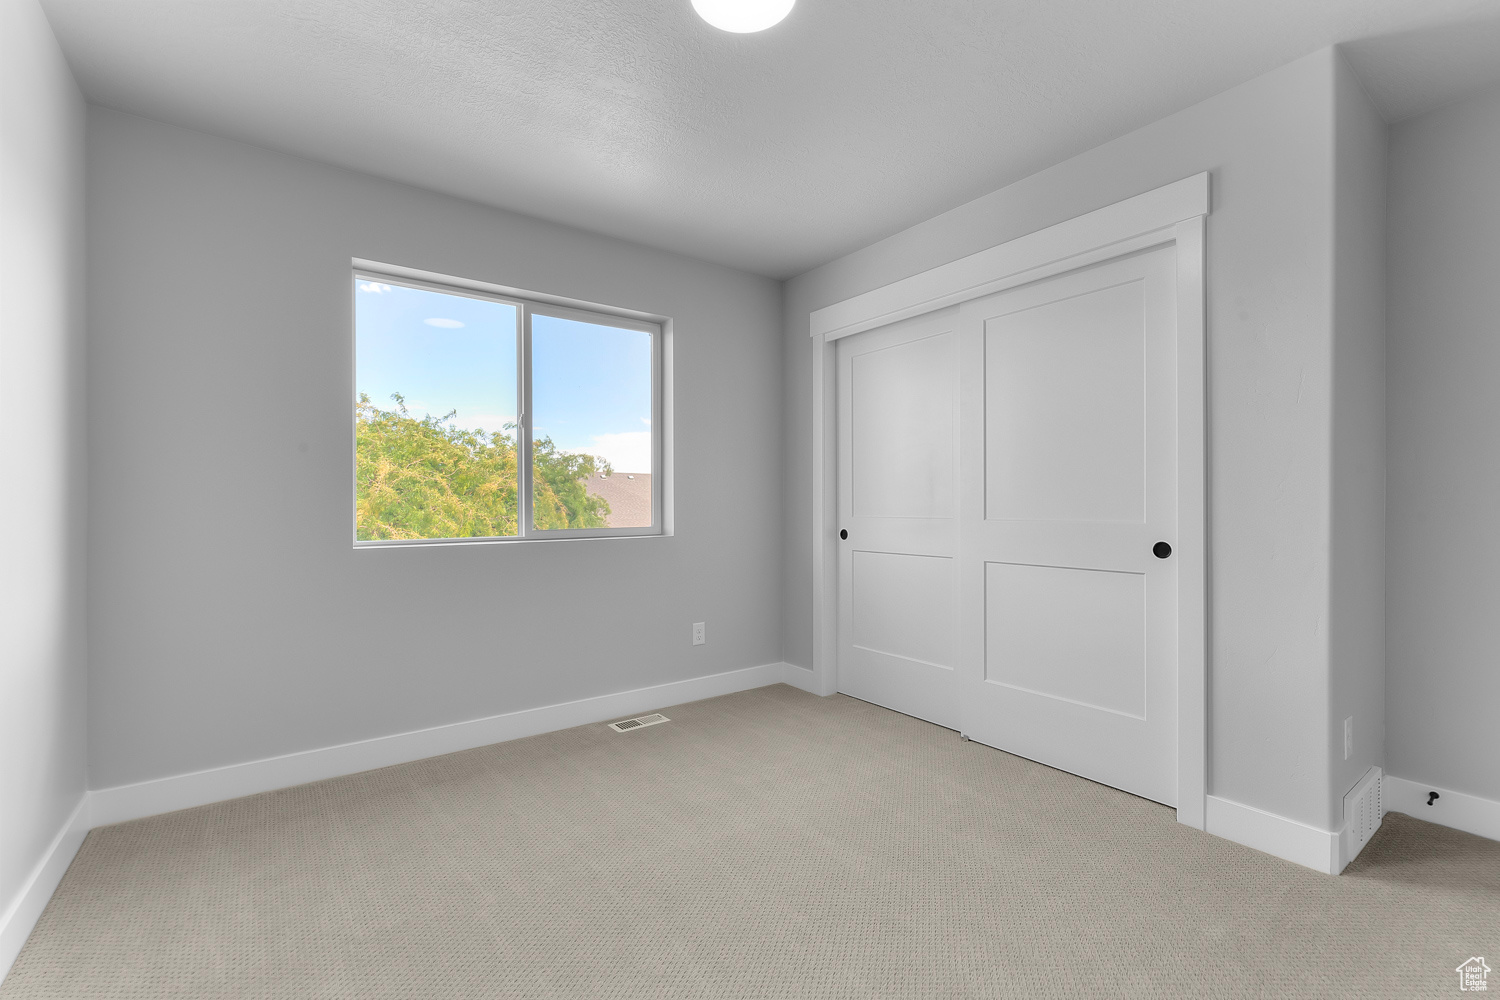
(773,152)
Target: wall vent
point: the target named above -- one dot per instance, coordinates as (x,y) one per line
(627,725)
(1363,811)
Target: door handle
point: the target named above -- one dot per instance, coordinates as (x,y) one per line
(1161,550)
(844,533)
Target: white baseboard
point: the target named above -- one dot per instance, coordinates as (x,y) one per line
(183,791)
(1329,852)
(104,806)
(802,679)
(18,920)
(1459,810)
(1273,834)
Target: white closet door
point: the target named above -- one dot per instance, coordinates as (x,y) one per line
(898,504)
(1068,651)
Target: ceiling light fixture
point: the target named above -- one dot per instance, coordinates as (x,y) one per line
(743,16)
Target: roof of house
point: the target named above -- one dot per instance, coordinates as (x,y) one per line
(628,495)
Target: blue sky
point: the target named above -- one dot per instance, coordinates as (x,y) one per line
(591,384)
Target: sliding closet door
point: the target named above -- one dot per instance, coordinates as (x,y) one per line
(898,515)
(1066,581)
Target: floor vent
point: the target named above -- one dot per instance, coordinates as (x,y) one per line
(1363,811)
(641,723)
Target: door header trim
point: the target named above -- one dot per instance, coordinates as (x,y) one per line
(1146,220)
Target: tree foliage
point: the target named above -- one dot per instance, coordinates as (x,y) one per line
(430,478)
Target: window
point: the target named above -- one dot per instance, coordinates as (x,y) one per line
(487,415)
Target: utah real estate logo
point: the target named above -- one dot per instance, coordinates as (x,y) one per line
(1474,975)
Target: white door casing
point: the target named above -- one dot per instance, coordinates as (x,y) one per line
(1170,216)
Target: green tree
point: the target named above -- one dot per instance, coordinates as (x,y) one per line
(430,478)
(558,496)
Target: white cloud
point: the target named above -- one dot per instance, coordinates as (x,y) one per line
(446,324)
(491,422)
(374,286)
(418,409)
(627,452)
(415,407)
(464,419)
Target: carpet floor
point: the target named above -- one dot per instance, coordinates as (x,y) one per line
(768,844)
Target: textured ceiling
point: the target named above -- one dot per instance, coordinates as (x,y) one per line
(773,152)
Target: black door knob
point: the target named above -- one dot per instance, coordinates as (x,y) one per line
(843,532)
(1161,550)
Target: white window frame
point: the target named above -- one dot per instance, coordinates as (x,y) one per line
(529,304)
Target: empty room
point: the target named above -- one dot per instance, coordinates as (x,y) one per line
(750,499)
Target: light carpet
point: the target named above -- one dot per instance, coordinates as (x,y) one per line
(768,844)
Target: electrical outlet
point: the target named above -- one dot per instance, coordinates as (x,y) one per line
(1348,737)
(700,633)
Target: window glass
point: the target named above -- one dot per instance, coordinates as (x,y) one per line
(435,414)
(468,403)
(592,439)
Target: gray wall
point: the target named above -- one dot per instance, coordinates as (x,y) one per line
(1356,622)
(1443,605)
(42,649)
(230,617)
(1270,145)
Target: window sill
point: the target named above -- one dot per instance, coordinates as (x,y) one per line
(585,534)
